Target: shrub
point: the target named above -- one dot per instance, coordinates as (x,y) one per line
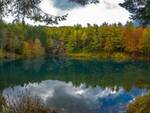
(23,104)
(2,103)
(140,105)
(120,57)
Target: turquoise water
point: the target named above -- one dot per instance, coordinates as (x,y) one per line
(77,86)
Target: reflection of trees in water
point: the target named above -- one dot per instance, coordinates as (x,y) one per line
(33,64)
(55,63)
(91,72)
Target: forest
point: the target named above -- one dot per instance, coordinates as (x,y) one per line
(35,54)
(17,40)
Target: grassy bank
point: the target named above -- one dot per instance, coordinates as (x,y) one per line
(101,56)
(140,105)
(114,56)
(23,104)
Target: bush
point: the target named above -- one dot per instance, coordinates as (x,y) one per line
(119,57)
(2,102)
(140,105)
(23,104)
(38,50)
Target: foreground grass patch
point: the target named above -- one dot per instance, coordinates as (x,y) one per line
(23,104)
(140,105)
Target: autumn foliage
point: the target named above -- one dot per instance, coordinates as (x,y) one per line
(33,41)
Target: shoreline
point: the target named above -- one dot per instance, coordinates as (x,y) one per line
(115,56)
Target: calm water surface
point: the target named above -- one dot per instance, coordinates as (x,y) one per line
(77,86)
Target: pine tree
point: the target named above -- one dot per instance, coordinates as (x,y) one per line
(140,10)
(146,42)
(117,39)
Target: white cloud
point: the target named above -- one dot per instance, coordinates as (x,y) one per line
(59,94)
(106,11)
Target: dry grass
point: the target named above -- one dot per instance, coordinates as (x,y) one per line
(24,104)
(2,102)
(140,105)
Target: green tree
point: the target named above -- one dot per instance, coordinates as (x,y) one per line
(117,38)
(75,43)
(140,10)
(85,41)
(146,42)
(27,49)
(106,35)
(1,35)
(21,9)
(50,43)
(4,8)
(96,40)
(11,42)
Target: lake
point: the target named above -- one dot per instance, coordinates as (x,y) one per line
(77,86)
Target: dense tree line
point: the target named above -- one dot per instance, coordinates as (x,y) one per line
(40,40)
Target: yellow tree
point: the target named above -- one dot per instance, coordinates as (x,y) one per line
(27,49)
(146,42)
(38,50)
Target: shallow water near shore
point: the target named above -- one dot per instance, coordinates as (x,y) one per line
(77,86)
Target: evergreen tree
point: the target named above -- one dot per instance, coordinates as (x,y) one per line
(146,42)
(140,10)
(117,39)
(4,8)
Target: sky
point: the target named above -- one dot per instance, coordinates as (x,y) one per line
(106,11)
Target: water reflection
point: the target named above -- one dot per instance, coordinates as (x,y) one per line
(92,73)
(76,86)
(80,99)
